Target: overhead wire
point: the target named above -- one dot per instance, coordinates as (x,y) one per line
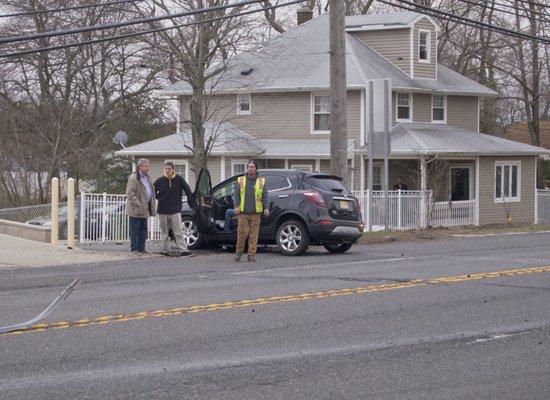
(490,7)
(147,32)
(63,9)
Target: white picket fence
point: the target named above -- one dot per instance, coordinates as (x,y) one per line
(453,213)
(103,219)
(542,206)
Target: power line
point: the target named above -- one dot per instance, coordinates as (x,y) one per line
(501,10)
(37,12)
(533,2)
(20,38)
(146,32)
(466,21)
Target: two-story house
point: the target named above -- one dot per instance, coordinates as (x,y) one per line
(273,105)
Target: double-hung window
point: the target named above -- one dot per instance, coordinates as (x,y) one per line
(507,181)
(321,114)
(404,113)
(439,108)
(244,104)
(238,167)
(424,46)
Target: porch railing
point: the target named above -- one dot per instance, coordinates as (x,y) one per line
(452,213)
(542,206)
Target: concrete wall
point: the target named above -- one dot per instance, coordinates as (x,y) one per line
(26,231)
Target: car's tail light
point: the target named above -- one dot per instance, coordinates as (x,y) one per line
(315,198)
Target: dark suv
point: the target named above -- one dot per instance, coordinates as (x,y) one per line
(305,208)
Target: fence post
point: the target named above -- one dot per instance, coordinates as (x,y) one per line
(399,213)
(103,216)
(82,215)
(70,213)
(536,206)
(369,224)
(55,212)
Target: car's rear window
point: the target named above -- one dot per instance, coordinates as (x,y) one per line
(326,182)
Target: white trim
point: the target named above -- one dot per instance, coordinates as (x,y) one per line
(312,112)
(477,195)
(302,167)
(286,163)
(444,121)
(377,27)
(178,120)
(245,112)
(471,182)
(411,53)
(180,162)
(478,114)
(362,117)
(362,174)
(428,46)
(410,119)
(318,164)
(237,161)
(507,199)
(222,168)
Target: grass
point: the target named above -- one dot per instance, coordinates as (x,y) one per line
(445,233)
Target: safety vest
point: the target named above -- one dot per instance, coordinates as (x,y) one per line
(258,189)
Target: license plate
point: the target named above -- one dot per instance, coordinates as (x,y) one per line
(345,205)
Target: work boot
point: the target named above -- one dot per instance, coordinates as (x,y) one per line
(237,257)
(252,258)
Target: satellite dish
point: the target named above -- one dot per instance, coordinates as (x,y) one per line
(121,138)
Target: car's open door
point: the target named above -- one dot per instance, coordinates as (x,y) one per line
(204,202)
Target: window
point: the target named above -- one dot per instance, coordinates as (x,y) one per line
(507,181)
(424,46)
(244,104)
(238,167)
(302,167)
(377,171)
(276,182)
(181,167)
(321,113)
(225,190)
(404,107)
(439,103)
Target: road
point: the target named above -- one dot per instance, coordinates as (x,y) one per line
(467,318)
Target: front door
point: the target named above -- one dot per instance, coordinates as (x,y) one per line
(461,182)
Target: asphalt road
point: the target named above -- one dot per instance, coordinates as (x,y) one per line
(467,318)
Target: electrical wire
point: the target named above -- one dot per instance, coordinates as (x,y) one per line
(41,35)
(62,9)
(466,21)
(501,10)
(147,32)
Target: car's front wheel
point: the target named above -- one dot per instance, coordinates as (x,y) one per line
(338,248)
(292,238)
(191,234)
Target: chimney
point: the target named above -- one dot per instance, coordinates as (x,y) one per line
(304,15)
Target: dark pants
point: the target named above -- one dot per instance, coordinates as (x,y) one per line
(138,233)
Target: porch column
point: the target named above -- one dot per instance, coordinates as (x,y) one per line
(423,196)
(362,174)
(476,194)
(133,161)
(318,164)
(222,169)
(286,163)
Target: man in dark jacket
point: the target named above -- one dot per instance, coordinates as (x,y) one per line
(251,200)
(169,190)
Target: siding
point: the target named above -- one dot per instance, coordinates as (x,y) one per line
(495,213)
(276,115)
(425,70)
(393,44)
(462,112)
(422,107)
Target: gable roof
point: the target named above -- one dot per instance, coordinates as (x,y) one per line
(298,60)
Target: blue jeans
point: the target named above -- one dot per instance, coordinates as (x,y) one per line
(138,233)
(229,213)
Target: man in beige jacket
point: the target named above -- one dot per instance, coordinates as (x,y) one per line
(140,205)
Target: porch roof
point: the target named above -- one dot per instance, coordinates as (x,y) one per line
(438,139)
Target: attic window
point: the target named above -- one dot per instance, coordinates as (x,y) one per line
(244,104)
(424,46)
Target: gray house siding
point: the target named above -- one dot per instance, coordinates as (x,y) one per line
(421,69)
(393,44)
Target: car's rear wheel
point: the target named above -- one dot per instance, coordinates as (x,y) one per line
(338,248)
(191,234)
(292,238)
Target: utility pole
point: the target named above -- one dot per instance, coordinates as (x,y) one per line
(338,91)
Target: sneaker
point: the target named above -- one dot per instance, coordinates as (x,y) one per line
(134,253)
(237,257)
(252,258)
(184,253)
(144,252)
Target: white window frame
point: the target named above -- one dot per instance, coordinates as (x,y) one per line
(181,162)
(312,120)
(471,178)
(235,162)
(302,167)
(410,119)
(508,199)
(239,110)
(444,120)
(428,46)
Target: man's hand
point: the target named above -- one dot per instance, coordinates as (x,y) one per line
(237,211)
(266,213)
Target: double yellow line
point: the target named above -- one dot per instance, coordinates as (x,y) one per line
(105,319)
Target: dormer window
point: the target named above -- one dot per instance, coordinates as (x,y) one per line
(424,46)
(244,104)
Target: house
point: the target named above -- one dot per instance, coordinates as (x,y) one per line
(273,105)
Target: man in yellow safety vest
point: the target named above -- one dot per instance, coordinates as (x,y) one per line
(250,201)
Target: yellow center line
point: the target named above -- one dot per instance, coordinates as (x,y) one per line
(105,319)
